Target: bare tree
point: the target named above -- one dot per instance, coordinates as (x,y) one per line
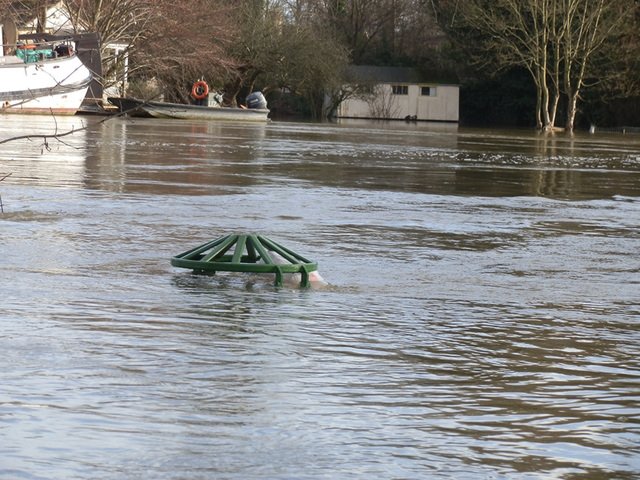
(586,27)
(117,21)
(309,65)
(186,43)
(35,9)
(280,47)
(363,26)
(382,104)
(257,43)
(555,40)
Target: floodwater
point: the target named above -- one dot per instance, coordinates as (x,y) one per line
(481,318)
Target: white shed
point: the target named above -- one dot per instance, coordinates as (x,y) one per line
(400,93)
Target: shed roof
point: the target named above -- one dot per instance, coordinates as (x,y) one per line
(369,74)
(373,74)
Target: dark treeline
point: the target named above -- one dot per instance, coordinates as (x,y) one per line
(544,63)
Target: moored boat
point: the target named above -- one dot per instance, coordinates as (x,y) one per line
(42,77)
(256,110)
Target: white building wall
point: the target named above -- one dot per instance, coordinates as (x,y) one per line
(442,103)
(443,106)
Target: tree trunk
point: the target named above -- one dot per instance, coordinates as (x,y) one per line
(539,109)
(547,121)
(572,109)
(554,108)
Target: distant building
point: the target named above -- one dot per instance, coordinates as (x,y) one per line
(399,93)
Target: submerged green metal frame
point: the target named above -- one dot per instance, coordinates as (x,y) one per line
(247,251)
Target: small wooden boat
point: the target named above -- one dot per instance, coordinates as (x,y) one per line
(142,108)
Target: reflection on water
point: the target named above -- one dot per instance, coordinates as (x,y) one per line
(481,321)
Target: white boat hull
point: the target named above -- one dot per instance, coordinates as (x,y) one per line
(211,113)
(56,85)
(137,107)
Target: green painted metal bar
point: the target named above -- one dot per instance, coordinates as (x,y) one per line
(279,277)
(266,258)
(251,251)
(197,251)
(237,254)
(278,249)
(256,247)
(222,248)
(304,278)
(288,254)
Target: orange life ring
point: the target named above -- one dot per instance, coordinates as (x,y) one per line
(200,90)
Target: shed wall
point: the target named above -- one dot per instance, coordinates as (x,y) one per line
(440,104)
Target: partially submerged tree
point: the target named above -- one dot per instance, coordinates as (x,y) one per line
(311,66)
(278,47)
(557,41)
(255,44)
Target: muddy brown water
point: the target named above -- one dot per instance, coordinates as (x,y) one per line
(482,316)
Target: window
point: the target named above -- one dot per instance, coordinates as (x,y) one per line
(400,89)
(428,91)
